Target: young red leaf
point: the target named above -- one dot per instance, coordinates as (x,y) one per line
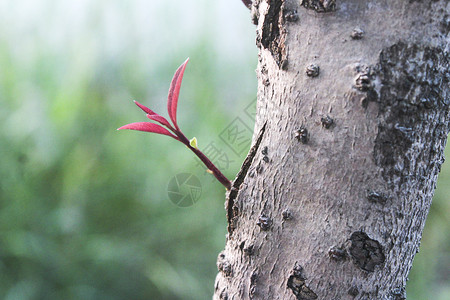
(172,103)
(145,108)
(160,120)
(148,127)
(152,115)
(174,91)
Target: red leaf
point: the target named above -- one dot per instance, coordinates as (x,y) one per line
(174,91)
(160,120)
(145,108)
(148,127)
(153,116)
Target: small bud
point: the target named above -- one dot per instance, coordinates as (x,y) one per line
(302,135)
(312,70)
(265,150)
(363,82)
(287,215)
(264,222)
(327,122)
(193,142)
(357,33)
(337,253)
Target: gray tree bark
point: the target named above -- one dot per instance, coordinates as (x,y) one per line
(352,121)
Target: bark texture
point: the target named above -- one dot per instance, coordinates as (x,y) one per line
(353,116)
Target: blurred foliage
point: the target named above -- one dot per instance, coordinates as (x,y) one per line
(84,209)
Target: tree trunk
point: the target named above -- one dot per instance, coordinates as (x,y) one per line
(352,120)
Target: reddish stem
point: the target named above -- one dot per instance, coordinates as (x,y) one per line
(209,164)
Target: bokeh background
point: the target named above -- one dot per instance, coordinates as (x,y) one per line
(84,209)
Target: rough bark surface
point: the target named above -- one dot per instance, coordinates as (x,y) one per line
(353,116)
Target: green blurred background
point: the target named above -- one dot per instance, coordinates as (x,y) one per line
(84,209)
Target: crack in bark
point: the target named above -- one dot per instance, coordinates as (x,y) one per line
(273,35)
(233,193)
